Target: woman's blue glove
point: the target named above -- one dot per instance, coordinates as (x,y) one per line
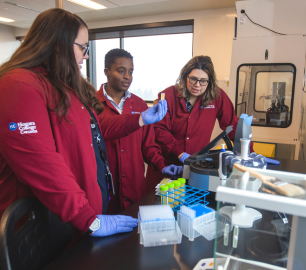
(184,156)
(155,113)
(115,224)
(172,170)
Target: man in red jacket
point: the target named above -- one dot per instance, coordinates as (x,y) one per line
(127,155)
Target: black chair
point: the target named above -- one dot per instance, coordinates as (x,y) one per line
(40,240)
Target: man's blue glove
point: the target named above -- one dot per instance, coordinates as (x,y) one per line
(184,156)
(172,170)
(114,224)
(155,113)
(272,161)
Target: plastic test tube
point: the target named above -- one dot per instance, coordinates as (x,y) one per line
(177,186)
(165,181)
(162,96)
(164,193)
(170,194)
(183,182)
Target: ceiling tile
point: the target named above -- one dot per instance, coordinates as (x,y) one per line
(170,6)
(116,9)
(74,8)
(98,15)
(108,4)
(16,13)
(50,3)
(35,4)
(123,3)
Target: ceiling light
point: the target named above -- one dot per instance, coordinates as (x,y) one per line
(88,4)
(5,20)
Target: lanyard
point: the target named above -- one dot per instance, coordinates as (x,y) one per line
(188,105)
(103,155)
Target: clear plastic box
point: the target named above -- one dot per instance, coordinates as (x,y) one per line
(159,233)
(274,237)
(209,229)
(204,215)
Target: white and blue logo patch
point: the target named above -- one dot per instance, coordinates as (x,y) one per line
(209,107)
(12,126)
(27,128)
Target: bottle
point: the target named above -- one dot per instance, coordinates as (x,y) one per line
(280,111)
(183,182)
(170,194)
(284,109)
(271,114)
(164,194)
(285,112)
(177,186)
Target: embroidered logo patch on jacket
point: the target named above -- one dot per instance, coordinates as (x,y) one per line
(210,107)
(12,126)
(27,128)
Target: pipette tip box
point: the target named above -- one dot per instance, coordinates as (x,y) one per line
(194,215)
(157,226)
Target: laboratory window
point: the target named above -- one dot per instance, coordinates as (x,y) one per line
(102,46)
(266,91)
(159,52)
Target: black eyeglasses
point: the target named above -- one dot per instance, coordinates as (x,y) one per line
(194,80)
(86,48)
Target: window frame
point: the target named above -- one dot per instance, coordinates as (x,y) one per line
(267,64)
(123,28)
(91,62)
(255,87)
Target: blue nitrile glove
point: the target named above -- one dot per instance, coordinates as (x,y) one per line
(112,224)
(272,161)
(155,113)
(172,170)
(184,156)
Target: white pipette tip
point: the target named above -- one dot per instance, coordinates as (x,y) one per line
(155,213)
(188,212)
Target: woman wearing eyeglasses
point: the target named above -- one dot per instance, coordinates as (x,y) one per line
(51,143)
(194,104)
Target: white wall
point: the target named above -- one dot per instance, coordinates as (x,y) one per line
(8,42)
(213,33)
(283,16)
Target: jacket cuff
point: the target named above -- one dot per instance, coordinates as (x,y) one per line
(176,151)
(83,219)
(160,165)
(132,123)
(251,147)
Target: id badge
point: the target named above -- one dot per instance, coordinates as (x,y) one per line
(110,182)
